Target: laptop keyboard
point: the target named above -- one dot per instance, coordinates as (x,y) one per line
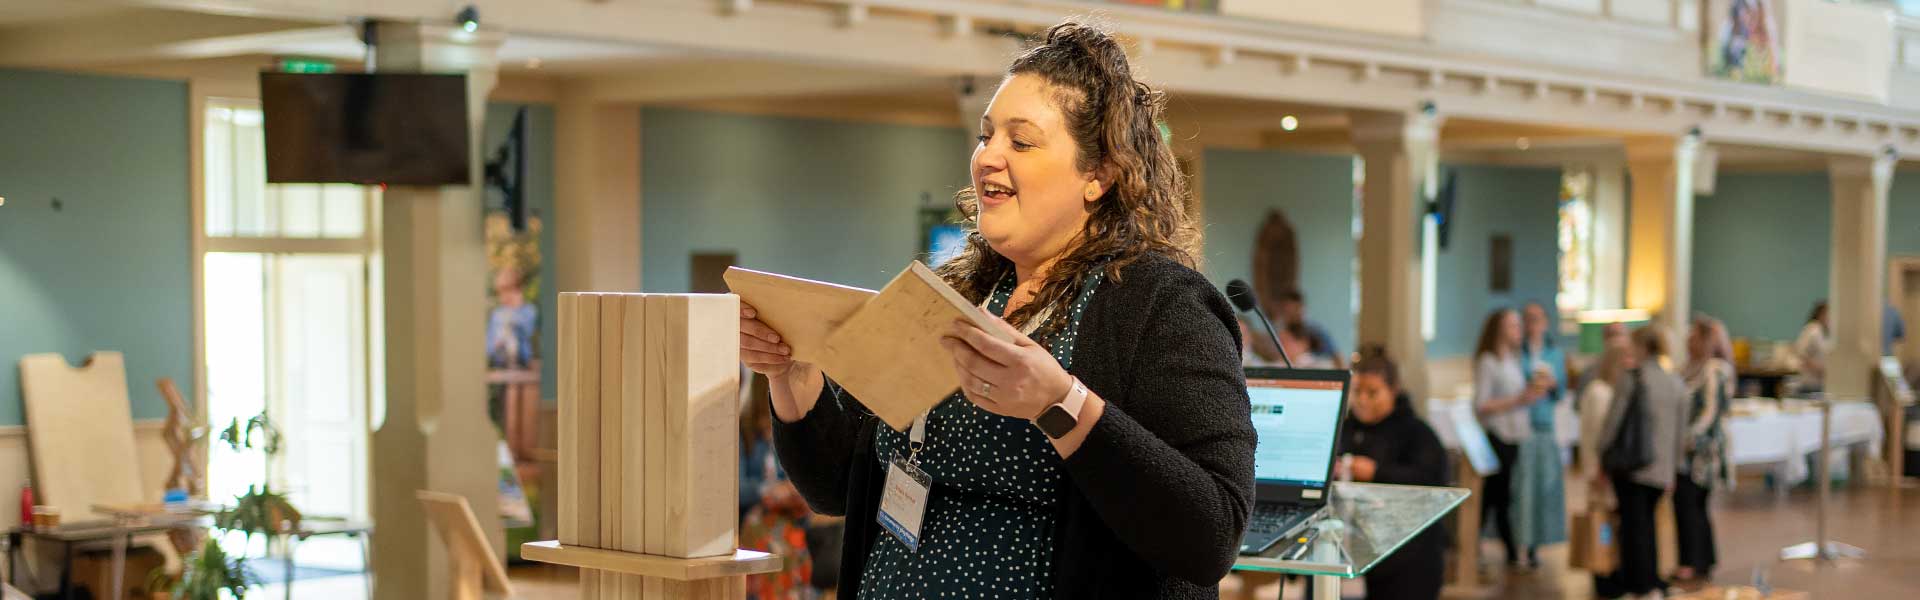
(1273,517)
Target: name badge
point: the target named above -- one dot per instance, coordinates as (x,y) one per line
(904,501)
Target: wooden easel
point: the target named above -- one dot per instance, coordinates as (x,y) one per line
(649,403)
(476,569)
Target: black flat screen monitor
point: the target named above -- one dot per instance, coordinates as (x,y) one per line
(398,128)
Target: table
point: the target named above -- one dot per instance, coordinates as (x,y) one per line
(1781,434)
(319,526)
(1771,378)
(1366,522)
(120,532)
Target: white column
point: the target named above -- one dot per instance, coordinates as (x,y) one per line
(596,194)
(1660,239)
(1856,284)
(1609,196)
(436,435)
(1401,154)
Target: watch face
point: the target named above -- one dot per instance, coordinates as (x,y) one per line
(1056,421)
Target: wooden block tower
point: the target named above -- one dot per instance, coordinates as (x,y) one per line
(649,454)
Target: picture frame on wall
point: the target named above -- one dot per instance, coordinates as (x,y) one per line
(1743,40)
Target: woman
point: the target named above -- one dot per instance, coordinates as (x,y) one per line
(1079,242)
(1539,486)
(1658,399)
(1306,350)
(1811,348)
(1387,443)
(1595,400)
(1710,377)
(1502,397)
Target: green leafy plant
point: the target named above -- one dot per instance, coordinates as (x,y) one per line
(209,570)
(260,511)
(205,574)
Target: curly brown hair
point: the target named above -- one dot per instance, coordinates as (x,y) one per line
(1115,123)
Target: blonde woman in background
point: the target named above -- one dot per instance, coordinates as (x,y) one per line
(1595,400)
(1703,466)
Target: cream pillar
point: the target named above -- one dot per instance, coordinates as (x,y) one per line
(1660,237)
(435,434)
(1401,153)
(1856,284)
(596,194)
(1609,197)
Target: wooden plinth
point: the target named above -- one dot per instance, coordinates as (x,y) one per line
(742,562)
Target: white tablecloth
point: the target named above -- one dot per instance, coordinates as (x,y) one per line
(1785,437)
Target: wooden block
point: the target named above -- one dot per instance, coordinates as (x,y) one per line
(802,310)
(692,409)
(612,508)
(569,461)
(888,354)
(633,432)
(585,445)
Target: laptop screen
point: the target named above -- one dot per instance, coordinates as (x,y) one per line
(1297,421)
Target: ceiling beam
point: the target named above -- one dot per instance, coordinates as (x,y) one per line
(148,35)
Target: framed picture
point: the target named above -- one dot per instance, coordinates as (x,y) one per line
(1743,40)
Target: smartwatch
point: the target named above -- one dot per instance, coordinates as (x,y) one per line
(1060,419)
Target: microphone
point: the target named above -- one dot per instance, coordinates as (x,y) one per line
(1242,297)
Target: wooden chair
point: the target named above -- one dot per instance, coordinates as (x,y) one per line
(476,569)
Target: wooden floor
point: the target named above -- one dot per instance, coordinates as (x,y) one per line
(1752,525)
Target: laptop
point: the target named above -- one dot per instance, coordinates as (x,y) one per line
(1297,415)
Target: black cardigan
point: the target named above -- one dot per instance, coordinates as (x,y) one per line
(1159,493)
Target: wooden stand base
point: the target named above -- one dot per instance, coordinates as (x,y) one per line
(650,577)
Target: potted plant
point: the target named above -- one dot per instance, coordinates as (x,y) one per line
(204,575)
(210,571)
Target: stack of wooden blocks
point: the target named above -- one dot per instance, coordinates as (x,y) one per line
(649,410)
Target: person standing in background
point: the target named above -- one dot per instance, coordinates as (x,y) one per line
(1387,443)
(1703,466)
(1501,399)
(1539,487)
(1293,312)
(1596,398)
(1811,350)
(1659,400)
(1893,330)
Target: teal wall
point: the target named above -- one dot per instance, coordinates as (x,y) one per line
(110,269)
(1903,218)
(1315,192)
(830,200)
(1762,247)
(1761,251)
(539,198)
(1522,203)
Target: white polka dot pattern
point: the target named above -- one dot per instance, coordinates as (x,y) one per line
(989,524)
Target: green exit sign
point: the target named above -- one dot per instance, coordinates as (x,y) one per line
(306,65)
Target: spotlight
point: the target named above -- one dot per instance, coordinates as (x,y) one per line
(468,18)
(1289,123)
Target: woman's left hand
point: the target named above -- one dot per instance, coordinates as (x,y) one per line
(1017,379)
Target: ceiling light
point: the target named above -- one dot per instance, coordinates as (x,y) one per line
(1523,143)
(533,63)
(469,18)
(1289,123)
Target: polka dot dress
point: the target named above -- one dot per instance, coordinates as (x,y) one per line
(989,523)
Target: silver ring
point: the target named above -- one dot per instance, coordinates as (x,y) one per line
(986,390)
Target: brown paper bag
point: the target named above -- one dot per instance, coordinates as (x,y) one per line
(1592,545)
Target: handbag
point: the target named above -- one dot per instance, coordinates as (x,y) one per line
(1632,447)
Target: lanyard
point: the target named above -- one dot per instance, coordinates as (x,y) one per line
(917,438)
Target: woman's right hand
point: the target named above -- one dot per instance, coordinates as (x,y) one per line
(761,348)
(792,385)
